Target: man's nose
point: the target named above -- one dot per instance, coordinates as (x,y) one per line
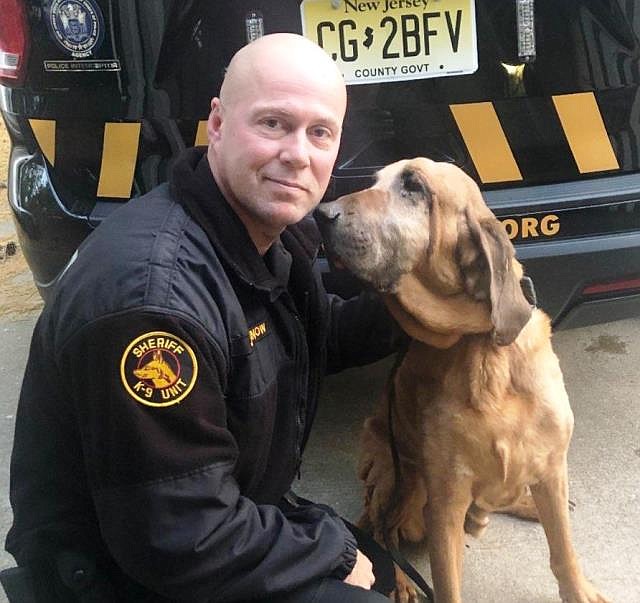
(295,151)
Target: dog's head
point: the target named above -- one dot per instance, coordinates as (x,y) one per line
(423,235)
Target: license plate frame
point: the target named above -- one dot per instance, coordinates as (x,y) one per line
(376,41)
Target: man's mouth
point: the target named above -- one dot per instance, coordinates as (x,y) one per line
(286,183)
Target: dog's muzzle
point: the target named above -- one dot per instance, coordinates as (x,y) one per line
(326,214)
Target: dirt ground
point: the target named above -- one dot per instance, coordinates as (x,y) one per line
(18,295)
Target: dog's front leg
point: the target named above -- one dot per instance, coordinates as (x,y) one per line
(551,498)
(444,515)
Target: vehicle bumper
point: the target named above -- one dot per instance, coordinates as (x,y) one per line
(562,270)
(47,232)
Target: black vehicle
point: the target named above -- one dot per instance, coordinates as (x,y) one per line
(539,103)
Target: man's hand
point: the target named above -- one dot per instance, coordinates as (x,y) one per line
(362,573)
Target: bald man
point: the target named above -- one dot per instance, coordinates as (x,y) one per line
(174,376)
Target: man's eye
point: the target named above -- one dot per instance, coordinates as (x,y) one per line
(321,133)
(271,122)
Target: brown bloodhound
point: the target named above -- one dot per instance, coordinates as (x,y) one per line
(480,411)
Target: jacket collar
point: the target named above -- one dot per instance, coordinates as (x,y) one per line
(193,186)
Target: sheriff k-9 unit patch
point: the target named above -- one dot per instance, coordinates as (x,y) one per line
(158,369)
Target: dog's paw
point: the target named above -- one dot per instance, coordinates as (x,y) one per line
(404,592)
(476,521)
(585,592)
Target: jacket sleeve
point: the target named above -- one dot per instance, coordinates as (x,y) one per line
(361,331)
(148,393)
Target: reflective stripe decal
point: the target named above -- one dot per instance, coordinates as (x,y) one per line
(583,126)
(45,132)
(478,123)
(119,154)
(488,146)
(202,138)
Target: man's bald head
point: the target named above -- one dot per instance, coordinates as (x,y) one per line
(281,55)
(274,132)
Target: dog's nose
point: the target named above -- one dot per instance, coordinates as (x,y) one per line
(326,213)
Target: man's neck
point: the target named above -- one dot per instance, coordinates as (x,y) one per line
(260,234)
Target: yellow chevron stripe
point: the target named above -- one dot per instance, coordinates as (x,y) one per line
(583,126)
(45,132)
(202,138)
(488,146)
(119,154)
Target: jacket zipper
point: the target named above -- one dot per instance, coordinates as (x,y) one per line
(301,390)
(301,370)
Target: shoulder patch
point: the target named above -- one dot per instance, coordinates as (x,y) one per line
(158,369)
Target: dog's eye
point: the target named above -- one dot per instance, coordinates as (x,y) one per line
(412,183)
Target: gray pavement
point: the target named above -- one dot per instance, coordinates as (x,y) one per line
(510,562)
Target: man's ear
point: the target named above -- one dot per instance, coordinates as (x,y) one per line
(487,261)
(214,123)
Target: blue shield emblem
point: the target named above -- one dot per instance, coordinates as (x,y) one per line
(77,26)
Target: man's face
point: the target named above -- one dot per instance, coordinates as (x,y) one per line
(272,148)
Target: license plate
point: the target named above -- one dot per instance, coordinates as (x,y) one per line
(376,41)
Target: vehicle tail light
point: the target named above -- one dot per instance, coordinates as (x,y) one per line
(13,42)
(612,287)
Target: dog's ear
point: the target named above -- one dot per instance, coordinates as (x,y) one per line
(487,259)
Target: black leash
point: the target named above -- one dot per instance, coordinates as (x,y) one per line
(397,557)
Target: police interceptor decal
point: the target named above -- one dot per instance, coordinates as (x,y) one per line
(76,26)
(158,369)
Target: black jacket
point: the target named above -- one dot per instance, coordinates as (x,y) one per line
(169,392)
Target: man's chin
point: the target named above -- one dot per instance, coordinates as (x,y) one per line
(289,211)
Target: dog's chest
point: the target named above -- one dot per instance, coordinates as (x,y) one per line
(501,443)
